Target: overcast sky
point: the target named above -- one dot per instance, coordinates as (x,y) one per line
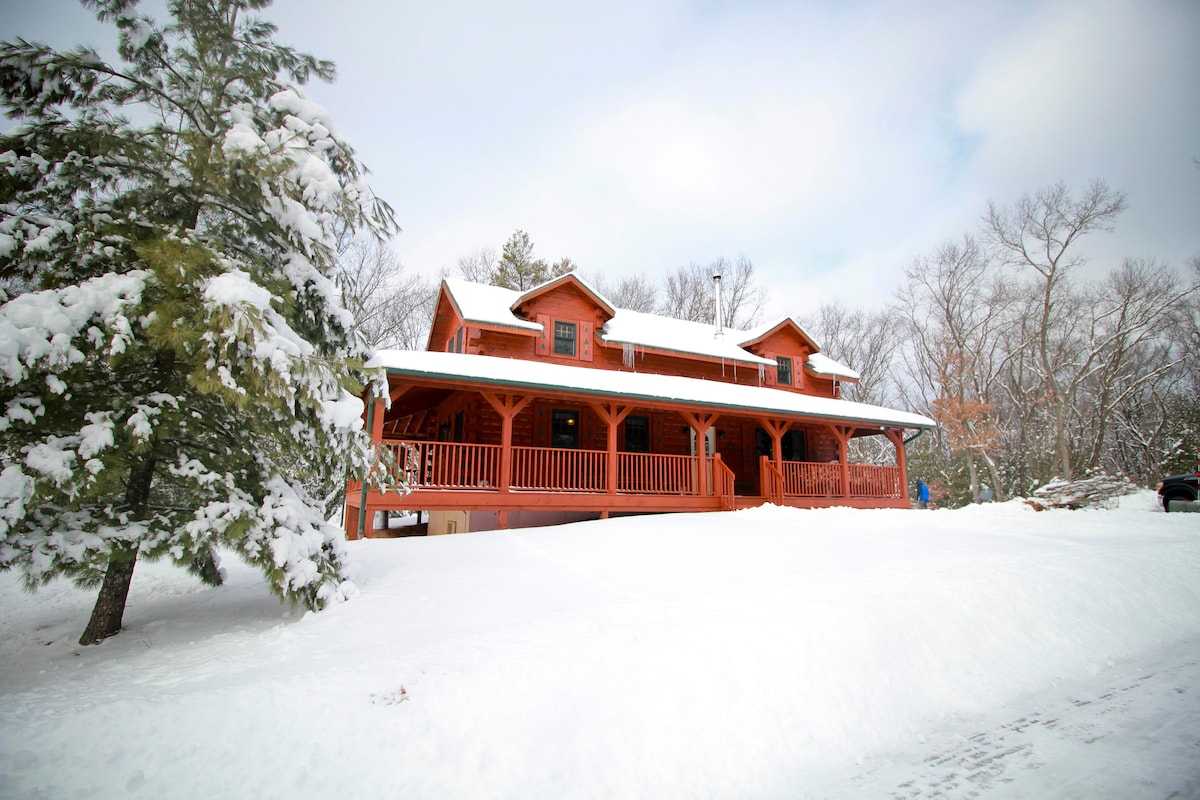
(829,142)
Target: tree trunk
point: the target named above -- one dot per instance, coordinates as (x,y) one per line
(974,472)
(110,604)
(1062,448)
(998,493)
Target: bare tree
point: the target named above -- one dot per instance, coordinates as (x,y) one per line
(1039,233)
(866,341)
(477,266)
(688,293)
(743,297)
(1126,345)
(953,305)
(634,293)
(392,306)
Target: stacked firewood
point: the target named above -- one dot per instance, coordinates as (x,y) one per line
(1099,491)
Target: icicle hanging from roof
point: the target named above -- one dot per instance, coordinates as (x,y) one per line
(627,355)
(762,374)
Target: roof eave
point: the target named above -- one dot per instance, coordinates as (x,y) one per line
(649,398)
(749,358)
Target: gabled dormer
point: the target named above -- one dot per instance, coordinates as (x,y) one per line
(465,311)
(568,311)
(799,364)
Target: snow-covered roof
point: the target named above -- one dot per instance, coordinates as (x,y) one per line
(570,276)
(817,363)
(487,305)
(493,306)
(823,365)
(751,335)
(508,372)
(664,333)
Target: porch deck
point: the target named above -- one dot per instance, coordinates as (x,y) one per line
(446,476)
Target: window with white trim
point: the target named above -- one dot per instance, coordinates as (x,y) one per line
(784,370)
(565,335)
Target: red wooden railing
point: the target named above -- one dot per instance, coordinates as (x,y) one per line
(723,481)
(447,465)
(450,465)
(643,473)
(551,469)
(871,480)
(771,480)
(806,479)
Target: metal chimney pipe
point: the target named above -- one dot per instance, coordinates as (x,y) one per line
(720,327)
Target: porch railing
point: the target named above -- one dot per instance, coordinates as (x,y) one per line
(447,465)
(771,480)
(550,469)
(644,473)
(723,481)
(808,479)
(871,480)
(454,466)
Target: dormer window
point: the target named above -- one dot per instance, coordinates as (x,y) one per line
(784,370)
(565,334)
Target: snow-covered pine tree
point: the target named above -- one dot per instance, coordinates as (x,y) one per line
(176,370)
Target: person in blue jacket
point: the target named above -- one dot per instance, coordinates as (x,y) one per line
(922,495)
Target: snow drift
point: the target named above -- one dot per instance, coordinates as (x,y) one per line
(763,653)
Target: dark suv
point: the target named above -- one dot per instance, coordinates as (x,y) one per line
(1178,487)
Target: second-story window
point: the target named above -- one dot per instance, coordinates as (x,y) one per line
(564,338)
(784,370)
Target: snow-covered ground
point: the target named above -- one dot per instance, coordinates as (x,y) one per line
(991,652)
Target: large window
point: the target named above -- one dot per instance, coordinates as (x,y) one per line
(784,370)
(793,445)
(564,338)
(564,428)
(637,434)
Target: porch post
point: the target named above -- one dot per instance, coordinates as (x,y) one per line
(507,406)
(613,415)
(897,439)
(843,434)
(366,519)
(700,423)
(776,429)
(377,415)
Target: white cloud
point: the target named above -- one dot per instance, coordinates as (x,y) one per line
(830,143)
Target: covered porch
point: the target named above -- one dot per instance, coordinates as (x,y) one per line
(505,445)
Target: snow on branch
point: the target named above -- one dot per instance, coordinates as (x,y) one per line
(43,329)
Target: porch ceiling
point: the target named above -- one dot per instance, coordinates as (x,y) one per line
(416,400)
(468,371)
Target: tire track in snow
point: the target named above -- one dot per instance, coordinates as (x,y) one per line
(1137,737)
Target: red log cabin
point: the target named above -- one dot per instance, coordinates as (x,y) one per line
(551,405)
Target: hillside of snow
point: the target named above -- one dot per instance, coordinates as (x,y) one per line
(991,651)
